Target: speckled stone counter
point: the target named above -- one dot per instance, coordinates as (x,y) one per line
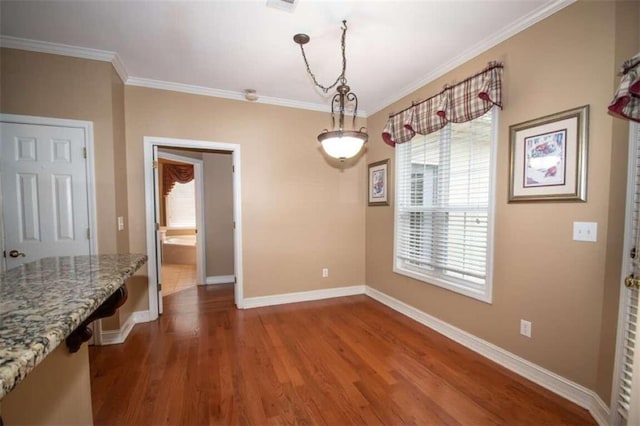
(42,302)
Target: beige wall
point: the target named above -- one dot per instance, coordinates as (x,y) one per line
(569,290)
(56,392)
(300,212)
(218,205)
(47,85)
(62,87)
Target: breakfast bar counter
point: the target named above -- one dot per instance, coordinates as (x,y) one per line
(43,302)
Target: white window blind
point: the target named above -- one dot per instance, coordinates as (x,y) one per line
(630,305)
(181,205)
(444,192)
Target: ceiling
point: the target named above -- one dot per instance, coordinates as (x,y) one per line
(222,47)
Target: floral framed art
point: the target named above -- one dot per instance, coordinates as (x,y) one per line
(549,157)
(379,183)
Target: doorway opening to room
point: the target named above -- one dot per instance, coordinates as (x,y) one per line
(180,196)
(192,195)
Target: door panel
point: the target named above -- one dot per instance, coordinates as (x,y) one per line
(44,192)
(627,349)
(156,207)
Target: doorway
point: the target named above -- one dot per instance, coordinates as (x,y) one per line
(154,148)
(48,196)
(180,195)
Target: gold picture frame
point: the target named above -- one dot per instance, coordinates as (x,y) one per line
(379,183)
(548,157)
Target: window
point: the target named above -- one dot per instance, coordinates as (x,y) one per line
(444,207)
(181,205)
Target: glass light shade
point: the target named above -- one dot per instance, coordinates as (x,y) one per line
(342,144)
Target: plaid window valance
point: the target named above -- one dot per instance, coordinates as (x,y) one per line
(458,103)
(626,101)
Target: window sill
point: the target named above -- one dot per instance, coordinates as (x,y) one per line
(481,295)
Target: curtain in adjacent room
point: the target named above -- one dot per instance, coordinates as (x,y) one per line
(458,103)
(172,173)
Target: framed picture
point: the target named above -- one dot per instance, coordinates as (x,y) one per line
(549,157)
(379,183)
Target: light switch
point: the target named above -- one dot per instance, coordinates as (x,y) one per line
(120,223)
(585,231)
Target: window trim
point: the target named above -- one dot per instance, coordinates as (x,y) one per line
(451,283)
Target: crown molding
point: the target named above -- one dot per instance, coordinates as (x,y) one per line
(227,94)
(66,50)
(119,66)
(532,18)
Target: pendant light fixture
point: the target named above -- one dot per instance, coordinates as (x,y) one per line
(338,142)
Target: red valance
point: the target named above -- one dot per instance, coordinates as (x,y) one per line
(172,173)
(464,101)
(626,101)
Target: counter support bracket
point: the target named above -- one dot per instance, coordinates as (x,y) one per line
(83,333)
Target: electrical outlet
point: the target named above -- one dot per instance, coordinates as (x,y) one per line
(585,231)
(525,328)
(325,272)
(120,223)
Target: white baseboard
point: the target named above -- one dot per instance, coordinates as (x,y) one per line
(220,279)
(303,296)
(572,391)
(115,337)
(141,316)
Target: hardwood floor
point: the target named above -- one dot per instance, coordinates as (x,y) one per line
(339,361)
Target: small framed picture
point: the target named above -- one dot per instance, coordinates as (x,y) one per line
(379,183)
(549,157)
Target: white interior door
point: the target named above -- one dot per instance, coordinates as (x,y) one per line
(44,192)
(156,211)
(627,390)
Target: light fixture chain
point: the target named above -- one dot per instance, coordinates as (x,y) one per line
(341,78)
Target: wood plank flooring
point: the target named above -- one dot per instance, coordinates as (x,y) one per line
(334,362)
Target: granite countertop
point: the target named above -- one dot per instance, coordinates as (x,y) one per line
(42,302)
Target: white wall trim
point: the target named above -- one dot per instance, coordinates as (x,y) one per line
(546,10)
(114,337)
(219,279)
(141,316)
(120,68)
(302,296)
(66,50)
(228,94)
(572,391)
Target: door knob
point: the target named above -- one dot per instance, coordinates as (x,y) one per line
(631,281)
(16,253)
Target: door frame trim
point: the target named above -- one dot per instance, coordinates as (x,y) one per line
(148,143)
(199,197)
